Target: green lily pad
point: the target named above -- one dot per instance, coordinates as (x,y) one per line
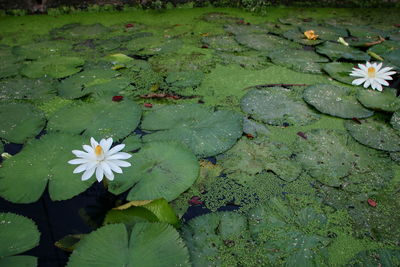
(340,71)
(265,42)
(254,128)
(42,49)
(325,156)
(327,33)
(205,132)
(365,32)
(337,51)
(297,36)
(222,43)
(98,119)
(298,60)
(151,45)
(18,234)
(53,67)
(248,60)
(336,101)
(147,245)
(384,48)
(132,142)
(382,101)
(19,261)
(250,157)
(78,31)
(395,120)
(10,64)
(159,170)
(374,133)
(276,106)
(94,81)
(185,78)
(238,29)
(42,162)
(24,88)
(377,257)
(20,121)
(393,57)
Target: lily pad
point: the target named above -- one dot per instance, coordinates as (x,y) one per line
(297,36)
(340,71)
(159,170)
(20,121)
(336,101)
(249,59)
(393,58)
(42,162)
(375,133)
(148,244)
(78,31)
(377,257)
(327,33)
(94,81)
(382,101)
(238,29)
(24,88)
(222,43)
(298,60)
(151,45)
(265,42)
(337,51)
(98,119)
(41,49)
(132,142)
(205,132)
(325,156)
(185,78)
(10,64)
(53,67)
(276,106)
(395,120)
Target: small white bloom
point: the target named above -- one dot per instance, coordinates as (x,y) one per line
(372,74)
(101,159)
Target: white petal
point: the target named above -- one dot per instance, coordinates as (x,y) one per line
(378,67)
(367,83)
(358,74)
(87,174)
(93,142)
(121,163)
(107,145)
(387,73)
(375,85)
(114,167)
(385,69)
(80,154)
(78,161)
(358,81)
(382,81)
(99,173)
(105,167)
(363,67)
(385,77)
(109,176)
(87,148)
(115,149)
(119,155)
(80,168)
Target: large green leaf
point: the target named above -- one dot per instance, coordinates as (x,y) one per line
(297,36)
(150,45)
(337,51)
(10,65)
(222,43)
(42,49)
(277,106)
(205,132)
(339,71)
(40,162)
(53,67)
(19,261)
(377,257)
(20,121)
(383,101)
(375,133)
(265,42)
(185,78)
(159,170)
(99,119)
(17,234)
(336,101)
(148,245)
(395,120)
(78,31)
(298,60)
(24,88)
(330,33)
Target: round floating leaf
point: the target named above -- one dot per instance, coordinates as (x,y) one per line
(129,216)
(99,119)
(336,101)
(150,45)
(42,49)
(382,101)
(377,257)
(339,71)
(185,78)
(265,42)
(148,245)
(17,234)
(325,155)
(298,60)
(54,67)
(92,81)
(159,170)
(205,132)
(393,57)
(276,106)
(19,261)
(337,51)
(329,33)
(365,32)
(20,121)
(297,36)
(10,65)
(132,142)
(238,29)
(395,120)
(24,88)
(78,31)
(375,133)
(222,43)
(385,47)
(41,161)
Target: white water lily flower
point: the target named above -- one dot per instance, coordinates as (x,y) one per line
(372,74)
(100,159)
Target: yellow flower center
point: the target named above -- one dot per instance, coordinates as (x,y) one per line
(311,35)
(98,150)
(371,72)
